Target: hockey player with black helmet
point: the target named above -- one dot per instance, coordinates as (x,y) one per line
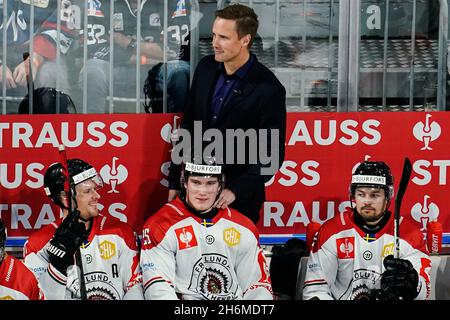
(193,250)
(16,281)
(352,256)
(108,247)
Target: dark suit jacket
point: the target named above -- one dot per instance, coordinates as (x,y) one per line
(258,102)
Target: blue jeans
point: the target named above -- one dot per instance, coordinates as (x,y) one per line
(177,84)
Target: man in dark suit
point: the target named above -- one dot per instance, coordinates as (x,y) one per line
(232,90)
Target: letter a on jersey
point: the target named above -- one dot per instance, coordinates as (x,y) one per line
(186,237)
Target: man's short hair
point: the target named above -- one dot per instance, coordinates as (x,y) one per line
(246,19)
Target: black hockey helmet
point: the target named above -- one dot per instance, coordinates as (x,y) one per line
(374,174)
(79,171)
(44,102)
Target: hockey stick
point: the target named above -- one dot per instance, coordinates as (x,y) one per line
(68,190)
(406,174)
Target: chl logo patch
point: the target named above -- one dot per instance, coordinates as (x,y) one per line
(186,237)
(346,248)
(387,250)
(231,237)
(107,249)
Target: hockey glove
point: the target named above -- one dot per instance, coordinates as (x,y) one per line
(400,280)
(68,237)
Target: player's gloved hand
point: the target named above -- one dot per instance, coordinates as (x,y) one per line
(399,281)
(68,237)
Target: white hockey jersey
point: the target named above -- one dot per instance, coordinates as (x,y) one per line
(184,256)
(346,263)
(17,282)
(110,263)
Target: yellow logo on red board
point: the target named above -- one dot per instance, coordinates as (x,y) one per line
(231,236)
(107,249)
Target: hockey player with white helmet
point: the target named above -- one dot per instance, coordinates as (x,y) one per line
(192,250)
(108,247)
(352,256)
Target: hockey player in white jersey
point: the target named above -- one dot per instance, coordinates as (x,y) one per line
(194,251)
(16,281)
(352,256)
(108,247)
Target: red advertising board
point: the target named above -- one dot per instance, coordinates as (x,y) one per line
(131,152)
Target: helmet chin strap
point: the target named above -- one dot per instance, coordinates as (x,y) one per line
(75,207)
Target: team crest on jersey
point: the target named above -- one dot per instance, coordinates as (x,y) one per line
(118,21)
(107,249)
(345,248)
(6,298)
(94,8)
(211,277)
(231,237)
(186,237)
(37,3)
(154,20)
(388,249)
(98,286)
(363,283)
(180,11)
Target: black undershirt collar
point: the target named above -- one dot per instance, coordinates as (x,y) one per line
(209,215)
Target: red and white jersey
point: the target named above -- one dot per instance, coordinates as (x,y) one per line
(17,282)
(110,263)
(346,263)
(184,256)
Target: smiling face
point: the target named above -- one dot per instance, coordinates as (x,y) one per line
(228,48)
(201,192)
(87,199)
(371,203)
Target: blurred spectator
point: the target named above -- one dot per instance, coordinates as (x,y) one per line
(98,51)
(43,60)
(45,102)
(151,51)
